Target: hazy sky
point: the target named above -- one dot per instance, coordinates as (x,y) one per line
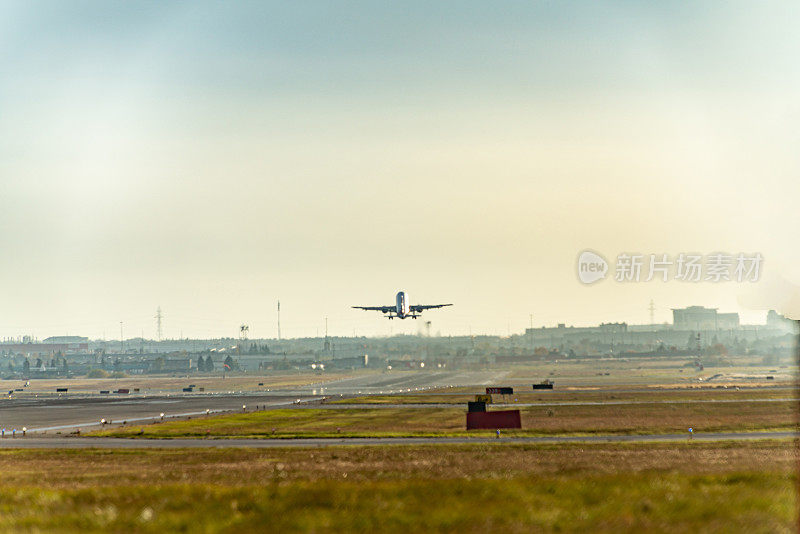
(212,158)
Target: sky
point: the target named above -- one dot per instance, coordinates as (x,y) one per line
(213,158)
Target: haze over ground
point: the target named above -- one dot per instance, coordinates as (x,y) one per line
(212,159)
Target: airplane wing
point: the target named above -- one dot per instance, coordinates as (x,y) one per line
(419,307)
(383,309)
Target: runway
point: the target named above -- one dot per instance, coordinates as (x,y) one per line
(402,382)
(48,414)
(51,413)
(116,443)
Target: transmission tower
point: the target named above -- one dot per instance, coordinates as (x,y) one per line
(159,317)
(652,309)
(279,320)
(531,331)
(243,331)
(327,345)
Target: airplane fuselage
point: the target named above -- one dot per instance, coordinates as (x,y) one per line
(402,307)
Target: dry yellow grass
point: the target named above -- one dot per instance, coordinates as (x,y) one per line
(363,422)
(694,487)
(91,468)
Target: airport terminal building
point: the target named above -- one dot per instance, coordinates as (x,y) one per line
(700,318)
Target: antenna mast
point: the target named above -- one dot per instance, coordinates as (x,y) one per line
(159,317)
(279,320)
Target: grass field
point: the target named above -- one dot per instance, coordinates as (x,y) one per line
(696,487)
(367,422)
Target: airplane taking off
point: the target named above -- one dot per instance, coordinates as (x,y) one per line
(402,309)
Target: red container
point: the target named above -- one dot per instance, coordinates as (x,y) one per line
(494,420)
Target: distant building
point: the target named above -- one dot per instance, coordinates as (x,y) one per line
(180,364)
(701,318)
(728,321)
(562,333)
(44,348)
(66,339)
(169,365)
(613,327)
(779,322)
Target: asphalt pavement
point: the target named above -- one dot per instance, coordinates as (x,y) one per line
(116,443)
(67,412)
